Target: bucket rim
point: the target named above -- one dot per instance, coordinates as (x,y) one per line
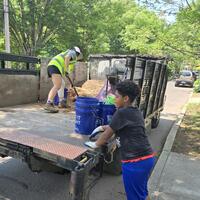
(92,98)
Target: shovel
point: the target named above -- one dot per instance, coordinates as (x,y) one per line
(67,76)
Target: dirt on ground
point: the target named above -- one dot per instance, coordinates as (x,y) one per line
(187,140)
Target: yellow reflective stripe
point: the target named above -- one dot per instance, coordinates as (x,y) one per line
(58,61)
(63,56)
(71,68)
(73,61)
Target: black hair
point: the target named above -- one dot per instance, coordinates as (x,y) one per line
(128,88)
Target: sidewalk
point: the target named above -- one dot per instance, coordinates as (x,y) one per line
(175,176)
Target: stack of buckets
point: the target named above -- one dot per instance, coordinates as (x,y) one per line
(91,113)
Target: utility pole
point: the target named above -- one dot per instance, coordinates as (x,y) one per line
(6,25)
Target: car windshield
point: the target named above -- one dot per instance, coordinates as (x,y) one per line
(185,73)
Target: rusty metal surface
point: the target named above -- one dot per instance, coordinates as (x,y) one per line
(51,133)
(57,148)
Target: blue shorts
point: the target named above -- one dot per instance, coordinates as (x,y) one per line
(135,177)
(51,69)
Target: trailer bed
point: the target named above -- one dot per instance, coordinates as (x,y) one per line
(28,128)
(32,119)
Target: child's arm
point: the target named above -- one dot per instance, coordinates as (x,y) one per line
(105,136)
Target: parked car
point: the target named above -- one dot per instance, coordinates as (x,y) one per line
(186,78)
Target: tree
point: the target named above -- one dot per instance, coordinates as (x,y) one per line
(100,25)
(35,24)
(142,31)
(182,38)
(48,27)
(2,48)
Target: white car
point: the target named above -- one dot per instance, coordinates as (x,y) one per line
(186,78)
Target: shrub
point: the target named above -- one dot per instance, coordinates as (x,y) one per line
(197,86)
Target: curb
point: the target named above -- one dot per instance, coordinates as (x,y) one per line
(155,178)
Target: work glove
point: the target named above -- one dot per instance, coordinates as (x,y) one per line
(91,144)
(96,131)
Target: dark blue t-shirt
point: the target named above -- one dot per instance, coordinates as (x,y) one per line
(128,124)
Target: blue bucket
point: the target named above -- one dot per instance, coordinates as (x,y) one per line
(107,113)
(87,115)
(56,98)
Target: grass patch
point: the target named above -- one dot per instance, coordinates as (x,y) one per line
(187,140)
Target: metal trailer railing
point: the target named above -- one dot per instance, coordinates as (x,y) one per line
(150,73)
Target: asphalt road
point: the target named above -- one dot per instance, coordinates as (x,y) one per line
(17,182)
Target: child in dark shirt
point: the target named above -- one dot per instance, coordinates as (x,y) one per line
(137,155)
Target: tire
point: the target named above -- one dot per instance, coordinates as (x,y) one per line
(176,84)
(115,167)
(155,121)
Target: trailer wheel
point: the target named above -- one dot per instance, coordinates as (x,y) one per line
(114,167)
(155,121)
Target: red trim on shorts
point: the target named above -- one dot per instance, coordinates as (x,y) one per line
(139,159)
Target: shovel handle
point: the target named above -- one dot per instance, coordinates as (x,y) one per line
(72,85)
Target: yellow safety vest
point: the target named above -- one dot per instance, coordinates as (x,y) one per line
(59,62)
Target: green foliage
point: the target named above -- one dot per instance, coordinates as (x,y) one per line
(47,27)
(182,38)
(1,42)
(1,30)
(100,25)
(35,24)
(197,86)
(142,30)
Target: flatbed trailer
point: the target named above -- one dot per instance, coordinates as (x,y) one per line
(48,142)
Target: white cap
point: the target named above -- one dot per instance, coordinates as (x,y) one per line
(77,49)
